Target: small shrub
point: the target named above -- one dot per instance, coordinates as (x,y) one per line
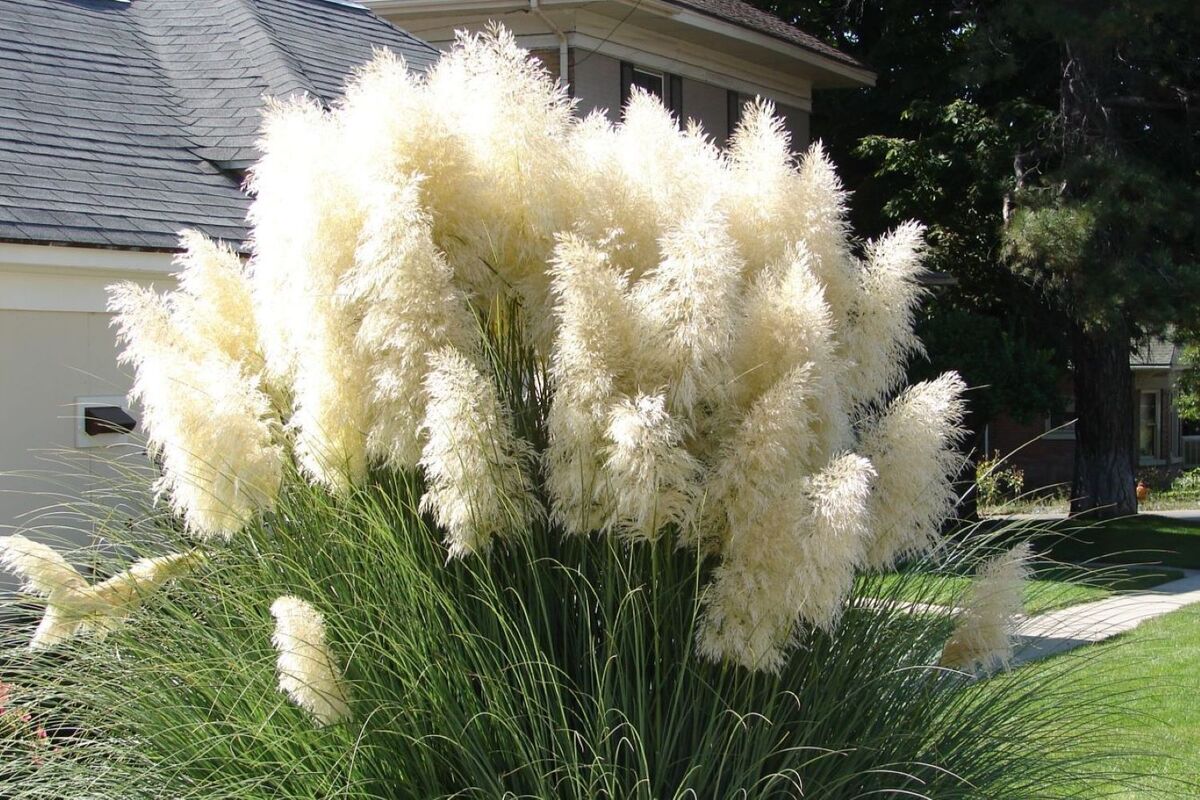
(1186,483)
(997,481)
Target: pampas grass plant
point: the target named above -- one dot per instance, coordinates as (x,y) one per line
(535,457)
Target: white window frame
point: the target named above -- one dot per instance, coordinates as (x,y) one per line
(654,74)
(1156,450)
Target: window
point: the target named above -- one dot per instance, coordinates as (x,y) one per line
(652,82)
(1174,428)
(663,85)
(733,112)
(1149,424)
(1061,424)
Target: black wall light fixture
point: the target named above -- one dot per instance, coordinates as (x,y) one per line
(107,419)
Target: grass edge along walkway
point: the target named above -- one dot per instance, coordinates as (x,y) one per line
(1058,631)
(1152,672)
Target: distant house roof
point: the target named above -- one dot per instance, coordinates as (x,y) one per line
(747,16)
(1153,353)
(123,122)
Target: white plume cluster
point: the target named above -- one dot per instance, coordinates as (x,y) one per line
(308,673)
(795,563)
(197,376)
(983,637)
(73,605)
(716,347)
(477,468)
(911,446)
(645,457)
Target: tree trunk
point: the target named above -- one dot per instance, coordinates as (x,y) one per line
(1104,443)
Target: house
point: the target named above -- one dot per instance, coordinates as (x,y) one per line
(124,121)
(1044,448)
(120,124)
(705,58)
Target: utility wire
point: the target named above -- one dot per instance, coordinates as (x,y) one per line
(604,41)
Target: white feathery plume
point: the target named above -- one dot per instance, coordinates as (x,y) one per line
(749,612)
(503,190)
(332,396)
(72,605)
(124,592)
(596,341)
(411,308)
(796,563)
(881,340)
(770,447)
(787,323)
(290,221)
(835,547)
(214,303)
(983,636)
(640,178)
(203,413)
(759,180)
(652,477)
(307,218)
(689,303)
(819,201)
(385,112)
(41,567)
(775,204)
(623,210)
(476,468)
(912,447)
(46,573)
(308,672)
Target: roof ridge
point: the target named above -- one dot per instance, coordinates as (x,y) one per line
(276,58)
(161,26)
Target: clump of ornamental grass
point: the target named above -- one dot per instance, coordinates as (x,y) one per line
(558,667)
(535,456)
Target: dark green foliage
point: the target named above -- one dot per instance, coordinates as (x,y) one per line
(1053,149)
(931,141)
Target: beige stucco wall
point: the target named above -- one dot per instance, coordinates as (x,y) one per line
(48,359)
(797,122)
(56,346)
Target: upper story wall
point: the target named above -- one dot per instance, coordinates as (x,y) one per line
(597,83)
(714,73)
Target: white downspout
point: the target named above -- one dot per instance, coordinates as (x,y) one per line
(564,75)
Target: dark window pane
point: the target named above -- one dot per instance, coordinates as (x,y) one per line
(652,82)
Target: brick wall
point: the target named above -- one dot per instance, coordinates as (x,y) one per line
(1046,462)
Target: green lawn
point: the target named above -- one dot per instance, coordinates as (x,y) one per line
(1052,588)
(1160,663)
(1146,539)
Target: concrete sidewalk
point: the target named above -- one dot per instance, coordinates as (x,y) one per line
(1068,628)
(1183,515)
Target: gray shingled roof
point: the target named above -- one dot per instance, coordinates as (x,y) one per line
(747,16)
(123,122)
(1153,353)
